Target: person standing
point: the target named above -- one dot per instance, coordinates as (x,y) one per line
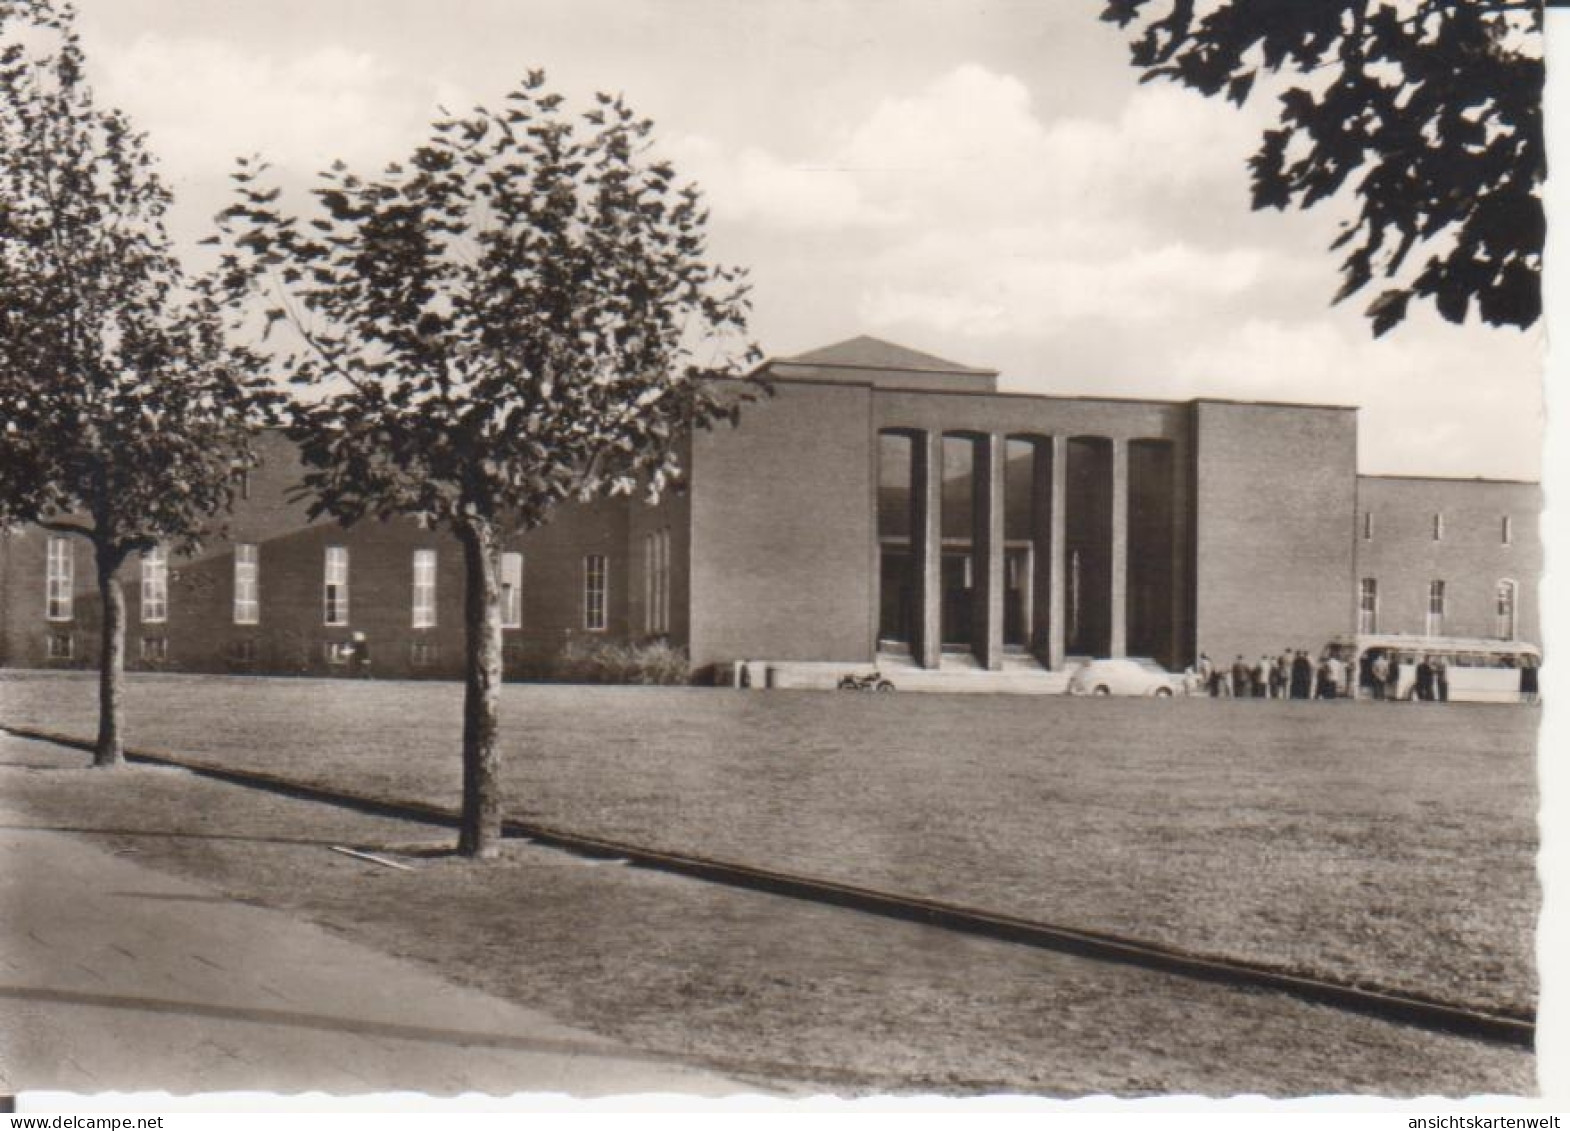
(1441,669)
(1240,678)
(1302,676)
(1207,675)
(1425,680)
(1262,678)
(1529,679)
(1393,688)
(1284,673)
(1378,675)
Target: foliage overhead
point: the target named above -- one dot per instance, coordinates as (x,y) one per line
(123,412)
(520,313)
(1429,112)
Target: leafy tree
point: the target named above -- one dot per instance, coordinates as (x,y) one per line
(123,414)
(520,315)
(1428,111)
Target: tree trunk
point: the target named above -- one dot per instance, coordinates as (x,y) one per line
(480,830)
(111,660)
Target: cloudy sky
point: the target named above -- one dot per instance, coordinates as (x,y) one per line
(985,181)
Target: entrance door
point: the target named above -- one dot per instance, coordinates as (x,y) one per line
(958,590)
(897,600)
(1019,571)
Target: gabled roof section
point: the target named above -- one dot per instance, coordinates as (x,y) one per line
(867,360)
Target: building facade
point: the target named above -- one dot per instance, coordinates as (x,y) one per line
(881,502)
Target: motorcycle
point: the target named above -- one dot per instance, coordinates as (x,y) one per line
(872,681)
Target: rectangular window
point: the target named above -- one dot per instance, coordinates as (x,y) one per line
(512,590)
(594,592)
(62,645)
(664,593)
(1368,605)
(338,653)
(155,649)
(1436,609)
(243,650)
(155,586)
(1368,526)
(60,580)
(424,589)
(656,582)
(1439,526)
(649,584)
(1506,533)
(247,584)
(1504,610)
(335,586)
(423,654)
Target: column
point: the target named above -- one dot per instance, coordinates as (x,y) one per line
(1057,556)
(1118,645)
(989,549)
(927,538)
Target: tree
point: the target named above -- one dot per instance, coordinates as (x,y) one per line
(123,412)
(510,320)
(1429,112)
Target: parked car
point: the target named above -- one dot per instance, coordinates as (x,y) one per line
(1123,677)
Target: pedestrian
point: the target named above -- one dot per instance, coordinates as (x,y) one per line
(1327,678)
(1425,680)
(1207,675)
(1379,673)
(1302,675)
(1441,679)
(360,655)
(1393,688)
(1241,679)
(1262,678)
(1283,673)
(1529,679)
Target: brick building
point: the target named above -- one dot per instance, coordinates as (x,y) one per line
(882,502)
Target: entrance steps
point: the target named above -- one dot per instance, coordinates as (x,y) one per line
(1021,675)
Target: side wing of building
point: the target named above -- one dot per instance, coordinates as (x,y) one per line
(1449,557)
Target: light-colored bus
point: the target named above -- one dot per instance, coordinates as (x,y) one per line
(1477,671)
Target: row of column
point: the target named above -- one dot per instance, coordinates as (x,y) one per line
(988,541)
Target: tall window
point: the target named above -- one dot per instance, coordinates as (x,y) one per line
(1506,532)
(512,590)
(594,592)
(155,586)
(247,589)
(656,582)
(60,578)
(1436,609)
(335,586)
(1504,610)
(424,589)
(1439,526)
(1368,526)
(1368,605)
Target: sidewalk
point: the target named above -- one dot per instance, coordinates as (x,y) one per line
(114,977)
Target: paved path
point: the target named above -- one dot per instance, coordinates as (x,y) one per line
(114,977)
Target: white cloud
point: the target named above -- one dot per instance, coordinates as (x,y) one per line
(753,186)
(196,96)
(1434,399)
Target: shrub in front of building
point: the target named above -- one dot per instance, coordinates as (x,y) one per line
(609,661)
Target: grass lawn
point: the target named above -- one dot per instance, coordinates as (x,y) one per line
(780,993)
(1384,844)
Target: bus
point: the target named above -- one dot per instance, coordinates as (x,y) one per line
(1478,671)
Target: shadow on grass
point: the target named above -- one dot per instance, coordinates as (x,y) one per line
(427,850)
(298,1019)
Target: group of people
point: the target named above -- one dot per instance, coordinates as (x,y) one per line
(1291,675)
